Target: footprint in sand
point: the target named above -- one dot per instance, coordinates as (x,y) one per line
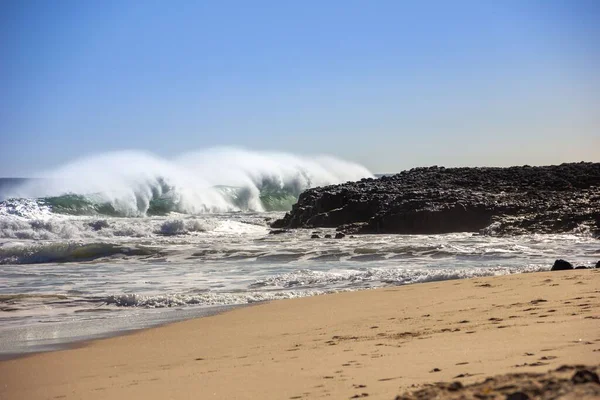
(387,379)
(537,301)
(535,364)
(465,375)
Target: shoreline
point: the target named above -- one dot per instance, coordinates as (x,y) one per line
(87,331)
(380,342)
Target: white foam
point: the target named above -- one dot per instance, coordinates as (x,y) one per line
(61,227)
(205,299)
(129,180)
(374,277)
(303,283)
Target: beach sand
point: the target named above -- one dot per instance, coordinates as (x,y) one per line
(375,343)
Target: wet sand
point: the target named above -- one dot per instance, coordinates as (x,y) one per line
(374,343)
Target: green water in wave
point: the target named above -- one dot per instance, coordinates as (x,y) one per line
(277,200)
(74,204)
(272,199)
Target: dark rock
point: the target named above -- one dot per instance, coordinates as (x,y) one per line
(328,236)
(514,200)
(561,265)
(585,376)
(454,386)
(581,267)
(598,264)
(339,235)
(517,396)
(314,236)
(278,231)
(516,386)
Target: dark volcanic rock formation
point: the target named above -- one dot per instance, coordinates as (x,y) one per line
(511,200)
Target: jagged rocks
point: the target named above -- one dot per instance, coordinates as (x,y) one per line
(513,200)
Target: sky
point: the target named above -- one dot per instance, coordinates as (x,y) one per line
(388,84)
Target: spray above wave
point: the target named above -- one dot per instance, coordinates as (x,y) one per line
(132,183)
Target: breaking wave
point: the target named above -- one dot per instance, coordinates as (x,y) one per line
(133,183)
(68,252)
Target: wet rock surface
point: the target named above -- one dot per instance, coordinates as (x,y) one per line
(561,265)
(566,382)
(515,200)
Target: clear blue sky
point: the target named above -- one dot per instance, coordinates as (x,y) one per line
(389,84)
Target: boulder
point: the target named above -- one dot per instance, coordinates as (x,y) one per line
(561,265)
(340,235)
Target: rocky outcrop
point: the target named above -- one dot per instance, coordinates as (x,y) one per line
(551,199)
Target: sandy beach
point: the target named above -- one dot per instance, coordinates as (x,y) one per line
(375,343)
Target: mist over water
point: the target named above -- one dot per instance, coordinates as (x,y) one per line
(135,183)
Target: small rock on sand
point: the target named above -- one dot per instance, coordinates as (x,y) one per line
(561,265)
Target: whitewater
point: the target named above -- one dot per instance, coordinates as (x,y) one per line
(126,240)
(134,184)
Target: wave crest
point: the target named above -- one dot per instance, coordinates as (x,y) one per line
(68,252)
(134,183)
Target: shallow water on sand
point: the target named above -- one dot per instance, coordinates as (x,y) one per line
(66,278)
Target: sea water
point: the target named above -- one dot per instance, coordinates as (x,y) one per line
(82,258)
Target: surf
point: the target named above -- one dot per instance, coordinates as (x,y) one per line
(137,183)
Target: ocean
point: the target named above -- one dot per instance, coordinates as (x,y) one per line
(96,249)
